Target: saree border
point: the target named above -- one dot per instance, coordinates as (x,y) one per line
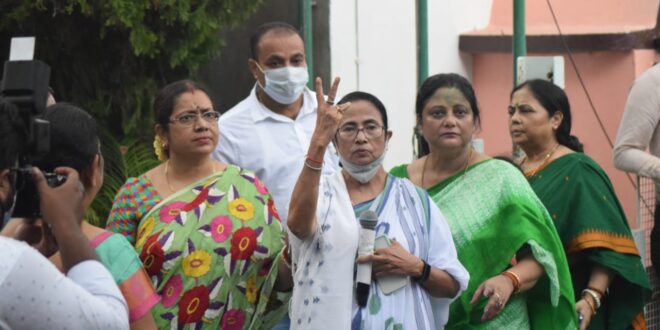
(600,239)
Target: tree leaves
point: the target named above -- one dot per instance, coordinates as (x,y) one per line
(111,56)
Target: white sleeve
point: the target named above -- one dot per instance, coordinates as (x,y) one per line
(225,150)
(442,252)
(640,120)
(35,295)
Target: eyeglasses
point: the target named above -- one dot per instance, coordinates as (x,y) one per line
(189,118)
(371,131)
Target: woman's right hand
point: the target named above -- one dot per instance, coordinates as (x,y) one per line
(328,115)
(62,207)
(498,290)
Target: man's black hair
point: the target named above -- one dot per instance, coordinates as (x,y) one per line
(268,27)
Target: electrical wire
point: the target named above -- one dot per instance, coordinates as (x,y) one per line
(584,88)
(579,76)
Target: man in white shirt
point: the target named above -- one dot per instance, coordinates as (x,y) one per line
(270,130)
(33,293)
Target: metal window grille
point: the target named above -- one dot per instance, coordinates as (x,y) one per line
(645,213)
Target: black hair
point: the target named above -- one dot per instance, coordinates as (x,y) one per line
(510,161)
(13,133)
(554,99)
(426,91)
(258,34)
(364,96)
(74,140)
(167,97)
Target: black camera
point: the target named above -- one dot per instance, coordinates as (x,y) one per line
(27,196)
(25,85)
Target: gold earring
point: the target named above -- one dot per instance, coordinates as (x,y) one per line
(160,149)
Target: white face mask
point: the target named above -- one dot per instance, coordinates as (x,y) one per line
(362,173)
(284,85)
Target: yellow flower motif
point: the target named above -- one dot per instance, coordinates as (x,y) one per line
(241,209)
(197,264)
(251,290)
(144,231)
(159,149)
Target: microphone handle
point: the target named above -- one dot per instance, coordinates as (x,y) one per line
(363,276)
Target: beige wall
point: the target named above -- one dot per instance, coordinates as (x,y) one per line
(607,76)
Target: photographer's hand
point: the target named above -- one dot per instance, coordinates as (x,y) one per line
(62,208)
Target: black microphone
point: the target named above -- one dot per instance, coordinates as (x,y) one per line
(368,220)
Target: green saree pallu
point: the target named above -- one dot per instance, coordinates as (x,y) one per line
(493,213)
(593,228)
(212,251)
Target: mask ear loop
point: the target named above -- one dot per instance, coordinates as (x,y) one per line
(263,73)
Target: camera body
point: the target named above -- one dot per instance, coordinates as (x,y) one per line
(25,85)
(27,196)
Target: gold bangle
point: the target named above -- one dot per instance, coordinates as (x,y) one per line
(515,279)
(594,295)
(593,309)
(600,293)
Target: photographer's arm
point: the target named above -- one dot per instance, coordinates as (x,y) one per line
(35,295)
(62,209)
(87,298)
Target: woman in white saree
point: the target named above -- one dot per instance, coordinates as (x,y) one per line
(324,238)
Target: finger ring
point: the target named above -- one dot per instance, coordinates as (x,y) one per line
(499,299)
(330,102)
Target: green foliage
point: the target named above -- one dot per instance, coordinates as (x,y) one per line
(111,56)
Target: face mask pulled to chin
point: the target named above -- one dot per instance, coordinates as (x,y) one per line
(362,173)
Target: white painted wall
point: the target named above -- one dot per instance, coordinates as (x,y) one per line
(374,49)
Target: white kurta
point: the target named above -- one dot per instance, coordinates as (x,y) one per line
(324,263)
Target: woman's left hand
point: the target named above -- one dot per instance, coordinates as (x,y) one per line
(393,260)
(498,290)
(583,309)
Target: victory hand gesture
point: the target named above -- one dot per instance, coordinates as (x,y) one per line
(328,116)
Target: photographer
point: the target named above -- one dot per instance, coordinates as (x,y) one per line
(35,294)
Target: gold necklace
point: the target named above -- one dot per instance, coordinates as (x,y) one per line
(167,178)
(467,162)
(541,166)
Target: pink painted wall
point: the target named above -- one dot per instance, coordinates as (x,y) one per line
(607,76)
(576,17)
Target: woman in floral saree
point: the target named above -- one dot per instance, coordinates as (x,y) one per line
(207,232)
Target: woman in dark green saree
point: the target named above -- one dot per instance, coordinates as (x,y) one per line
(608,277)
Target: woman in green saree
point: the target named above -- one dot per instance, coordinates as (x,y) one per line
(608,278)
(493,215)
(207,232)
